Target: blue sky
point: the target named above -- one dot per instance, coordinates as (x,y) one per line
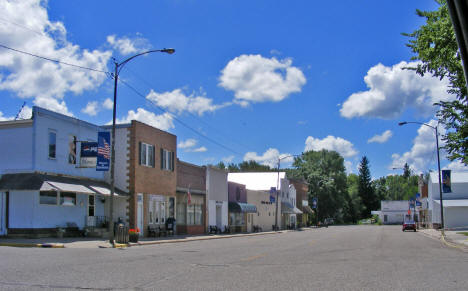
(259,78)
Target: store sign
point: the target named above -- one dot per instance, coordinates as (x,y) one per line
(314,203)
(305,203)
(103,151)
(88,154)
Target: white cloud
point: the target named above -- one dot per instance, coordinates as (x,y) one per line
(254,78)
(91,108)
(108,104)
(178,102)
(331,143)
(126,45)
(228,159)
(25,113)
(269,158)
(392,90)
(456,166)
(381,138)
(423,152)
(163,121)
(30,77)
(200,150)
(187,144)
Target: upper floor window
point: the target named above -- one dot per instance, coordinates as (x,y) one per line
(146,154)
(167,160)
(52,144)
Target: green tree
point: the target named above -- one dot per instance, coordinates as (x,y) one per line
(435,45)
(365,189)
(325,172)
(221,165)
(353,205)
(406,171)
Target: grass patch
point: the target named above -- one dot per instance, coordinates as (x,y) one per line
(463,232)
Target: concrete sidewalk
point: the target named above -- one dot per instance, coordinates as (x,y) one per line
(82,242)
(452,238)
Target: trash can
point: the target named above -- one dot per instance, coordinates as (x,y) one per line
(121,233)
(170,225)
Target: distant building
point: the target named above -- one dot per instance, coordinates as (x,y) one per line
(217,196)
(393,212)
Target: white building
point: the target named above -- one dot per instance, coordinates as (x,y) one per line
(43,185)
(217,196)
(455,203)
(393,212)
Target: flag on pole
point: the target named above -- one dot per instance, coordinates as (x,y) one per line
(189,196)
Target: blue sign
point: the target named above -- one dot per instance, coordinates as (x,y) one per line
(272,190)
(446,184)
(89,149)
(314,203)
(103,151)
(272,199)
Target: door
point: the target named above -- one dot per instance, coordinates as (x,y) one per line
(249,222)
(140,213)
(219,216)
(91,207)
(3,213)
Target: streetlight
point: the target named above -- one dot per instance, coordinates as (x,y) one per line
(277,187)
(118,68)
(438,166)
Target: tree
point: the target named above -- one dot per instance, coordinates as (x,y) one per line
(325,172)
(435,45)
(353,206)
(406,171)
(221,165)
(365,189)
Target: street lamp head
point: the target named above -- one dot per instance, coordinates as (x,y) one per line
(402,123)
(168,50)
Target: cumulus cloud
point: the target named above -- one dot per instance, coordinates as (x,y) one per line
(381,138)
(254,78)
(25,113)
(47,82)
(108,104)
(200,150)
(177,101)
(331,143)
(163,121)
(187,143)
(456,166)
(269,158)
(392,90)
(91,108)
(423,152)
(126,45)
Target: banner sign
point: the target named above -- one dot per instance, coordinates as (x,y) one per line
(272,197)
(103,151)
(446,184)
(314,203)
(418,200)
(88,154)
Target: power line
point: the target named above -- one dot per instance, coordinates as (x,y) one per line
(188,112)
(178,120)
(53,60)
(22,26)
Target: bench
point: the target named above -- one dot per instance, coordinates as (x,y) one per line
(213,229)
(257,228)
(153,230)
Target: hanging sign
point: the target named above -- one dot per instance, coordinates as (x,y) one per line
(446,184)
(103,151)
(88,154)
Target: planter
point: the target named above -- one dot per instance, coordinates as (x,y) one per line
(133,238)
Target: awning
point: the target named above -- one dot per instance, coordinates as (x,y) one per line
(104,191)
(307,209)
(297,210)
(66,187)
(242,207)
(287,208)
(454,203)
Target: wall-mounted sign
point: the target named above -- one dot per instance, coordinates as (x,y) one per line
(88,154)
(103,151)
(305,203)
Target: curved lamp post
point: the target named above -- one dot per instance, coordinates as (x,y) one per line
(118,68)
(438,166)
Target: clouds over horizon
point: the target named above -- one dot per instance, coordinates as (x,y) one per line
(393,90)
(163,121)
(255,79)
(331,143)
(126,45)
(423,152)
(189,146)
(269,158)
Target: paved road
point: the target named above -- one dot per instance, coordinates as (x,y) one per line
(337,258)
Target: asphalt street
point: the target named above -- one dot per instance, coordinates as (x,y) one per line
(334,258)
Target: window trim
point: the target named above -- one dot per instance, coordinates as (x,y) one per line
(149,157)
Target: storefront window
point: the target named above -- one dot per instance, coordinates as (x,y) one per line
(237,219)
(67,199)
(181,209)
(198,215)
(190,214)
(48,197)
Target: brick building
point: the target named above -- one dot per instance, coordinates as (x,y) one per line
(302,201)
(191,208)
(145,166)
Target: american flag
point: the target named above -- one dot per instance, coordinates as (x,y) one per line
(189,196)
(104,151)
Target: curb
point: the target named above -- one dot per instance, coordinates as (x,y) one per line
(441,237)
(200,239)
(30,245)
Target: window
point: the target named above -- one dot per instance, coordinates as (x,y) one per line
(156,210)
(237,219)
(67,199)
(190,214)
(146,155)
(181,209)
(198,215)
(48,197)
(52,144)
(91,205)
(167,160)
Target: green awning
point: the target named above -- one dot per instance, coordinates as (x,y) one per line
(242,207)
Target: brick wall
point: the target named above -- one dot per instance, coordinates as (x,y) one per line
(189,175)
(149,180)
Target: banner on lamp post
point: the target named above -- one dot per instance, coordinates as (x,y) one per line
(103,151)
(446,184)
